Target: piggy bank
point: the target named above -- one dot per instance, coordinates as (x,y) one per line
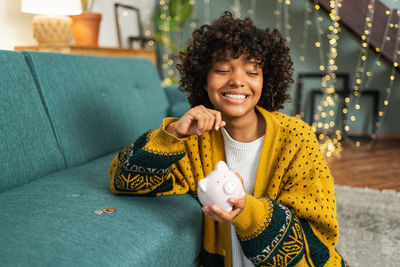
(218,186)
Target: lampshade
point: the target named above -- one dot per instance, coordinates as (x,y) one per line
(52,7)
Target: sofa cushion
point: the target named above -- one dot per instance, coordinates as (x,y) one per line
(51,222)
(98,104)
(28,147)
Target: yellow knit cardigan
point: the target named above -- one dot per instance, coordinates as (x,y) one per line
(290,220)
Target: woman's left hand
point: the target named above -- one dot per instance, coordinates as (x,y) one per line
(217,214)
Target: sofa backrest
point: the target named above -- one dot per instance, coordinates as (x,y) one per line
(28,146)
(97,105)
(178,101)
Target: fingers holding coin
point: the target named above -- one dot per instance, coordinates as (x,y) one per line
(196,121)
(207,119)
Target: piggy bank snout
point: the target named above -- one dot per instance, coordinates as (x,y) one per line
(218,186)
(229,188)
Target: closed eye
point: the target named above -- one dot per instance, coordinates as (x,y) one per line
(253,73)
(222,71)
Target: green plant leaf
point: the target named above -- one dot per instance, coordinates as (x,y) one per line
(180,10)
(84,4)
(174,80)
(91,5)
(164,22)
(163,39)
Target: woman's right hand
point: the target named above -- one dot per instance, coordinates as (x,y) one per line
(197,120)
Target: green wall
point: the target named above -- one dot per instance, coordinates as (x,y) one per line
(348,51)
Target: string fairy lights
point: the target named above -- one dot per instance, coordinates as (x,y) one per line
(236,8)
(283,8)
(361,71)
(278,14)
(172,15)
(165,38)
(396,53)
(307,23)
(288,27)
(325,109)
(361,66)
(319,43)
(207,11)
(252,10)
(147,24)
(330,144)
(380,49)
(193,23)
(378,64)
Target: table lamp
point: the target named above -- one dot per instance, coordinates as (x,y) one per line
(51,26)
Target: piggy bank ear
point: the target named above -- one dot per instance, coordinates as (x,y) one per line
(221,166)
(203,185)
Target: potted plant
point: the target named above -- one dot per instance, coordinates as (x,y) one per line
(86,25)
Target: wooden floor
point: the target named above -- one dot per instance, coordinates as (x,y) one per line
(375,167)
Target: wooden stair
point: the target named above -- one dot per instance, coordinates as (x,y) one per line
(352,16)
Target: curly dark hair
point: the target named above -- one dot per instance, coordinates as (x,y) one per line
(232,37)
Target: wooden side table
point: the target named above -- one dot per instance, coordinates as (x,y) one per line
(94,50)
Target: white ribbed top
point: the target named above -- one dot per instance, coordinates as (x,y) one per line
(242,158)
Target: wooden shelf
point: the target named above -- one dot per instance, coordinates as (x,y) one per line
(94,50)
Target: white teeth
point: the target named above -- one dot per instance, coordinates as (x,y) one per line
(235,96)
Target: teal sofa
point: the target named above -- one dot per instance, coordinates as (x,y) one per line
(63,119)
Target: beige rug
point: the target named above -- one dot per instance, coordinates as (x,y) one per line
(369,223)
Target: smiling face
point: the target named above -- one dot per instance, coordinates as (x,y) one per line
(234,86)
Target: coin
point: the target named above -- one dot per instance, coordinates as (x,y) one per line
(98,212)
(110,210)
